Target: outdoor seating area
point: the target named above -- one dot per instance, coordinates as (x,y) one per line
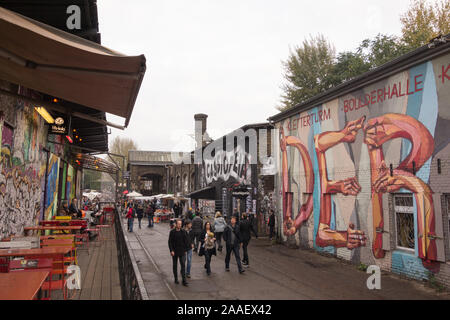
(56,261)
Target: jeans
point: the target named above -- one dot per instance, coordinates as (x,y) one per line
(208,254)
(188,261)
(196,240)
(150,221)
(130,224)
(182,260)
(219,239)
(235,250)
(244,247)
(271,232)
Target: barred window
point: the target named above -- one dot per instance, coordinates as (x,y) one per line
(404,216)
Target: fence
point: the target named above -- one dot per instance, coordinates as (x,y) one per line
(130,279)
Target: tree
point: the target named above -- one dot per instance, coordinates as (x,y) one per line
(307,71)
(423,22)
(122,146)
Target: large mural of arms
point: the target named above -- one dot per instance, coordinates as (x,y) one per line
(290,226)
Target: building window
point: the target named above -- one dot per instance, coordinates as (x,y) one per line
(404,216)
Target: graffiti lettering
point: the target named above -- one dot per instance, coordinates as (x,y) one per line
(382,94)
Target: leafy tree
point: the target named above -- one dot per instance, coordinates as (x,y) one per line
(122,146)
(380,50)
(307,71)
(423,22)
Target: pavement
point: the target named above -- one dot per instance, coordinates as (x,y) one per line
(275,272)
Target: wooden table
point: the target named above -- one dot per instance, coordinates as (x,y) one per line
(53,228)
(55,253)
(21,285)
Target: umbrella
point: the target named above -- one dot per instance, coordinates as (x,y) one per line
(125,192)
(134,194)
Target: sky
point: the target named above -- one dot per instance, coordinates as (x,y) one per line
(224,58)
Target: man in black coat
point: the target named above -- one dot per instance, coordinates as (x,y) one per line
(178,245)
(245,227)
(232,239)
(271,224)
(197,228)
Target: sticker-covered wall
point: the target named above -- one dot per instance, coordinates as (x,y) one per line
(365,176)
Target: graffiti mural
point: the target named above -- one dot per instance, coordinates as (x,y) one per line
(22,169)
(341,160)
(51,199)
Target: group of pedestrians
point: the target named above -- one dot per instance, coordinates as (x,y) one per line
(206,239)
(139,209)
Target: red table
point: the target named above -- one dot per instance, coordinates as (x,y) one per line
(55,253)
(60,228)
(21,285)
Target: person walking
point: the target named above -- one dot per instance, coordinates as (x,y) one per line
(245,227)
(130,217)
(178,245)
(140,214)
(190,235)
(209,245)
(231,236)
(271,224)
(150,214)
(219,228)
(197,226)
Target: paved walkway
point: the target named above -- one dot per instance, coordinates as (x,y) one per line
(275,272)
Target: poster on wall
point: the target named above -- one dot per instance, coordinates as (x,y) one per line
(207,207)
(70,190)
(224,202)
(52,186)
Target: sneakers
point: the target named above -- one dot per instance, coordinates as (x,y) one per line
(185,283)
(241,271)
(188,276)
(227,269)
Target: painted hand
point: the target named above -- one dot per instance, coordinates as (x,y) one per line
(379,130)
(355,238)
(385,182)
(288,227)
(351,129)
(349,186)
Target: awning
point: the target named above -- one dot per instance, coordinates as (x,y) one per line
(87,161)
(60,64)
(205,193)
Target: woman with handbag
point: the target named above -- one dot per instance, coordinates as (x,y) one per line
(208,246)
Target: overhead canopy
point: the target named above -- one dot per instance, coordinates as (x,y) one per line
(87,161)
(205,193)
(57,63)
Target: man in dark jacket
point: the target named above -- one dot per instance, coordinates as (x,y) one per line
(271,224)
(245,226)
(197,227)
(178,245)
(232,239)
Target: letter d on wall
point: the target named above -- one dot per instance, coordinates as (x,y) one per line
(374,281)
(74,20)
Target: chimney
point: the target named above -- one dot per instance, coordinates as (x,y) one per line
(200,129)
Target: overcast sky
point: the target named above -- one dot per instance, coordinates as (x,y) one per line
(224,57)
